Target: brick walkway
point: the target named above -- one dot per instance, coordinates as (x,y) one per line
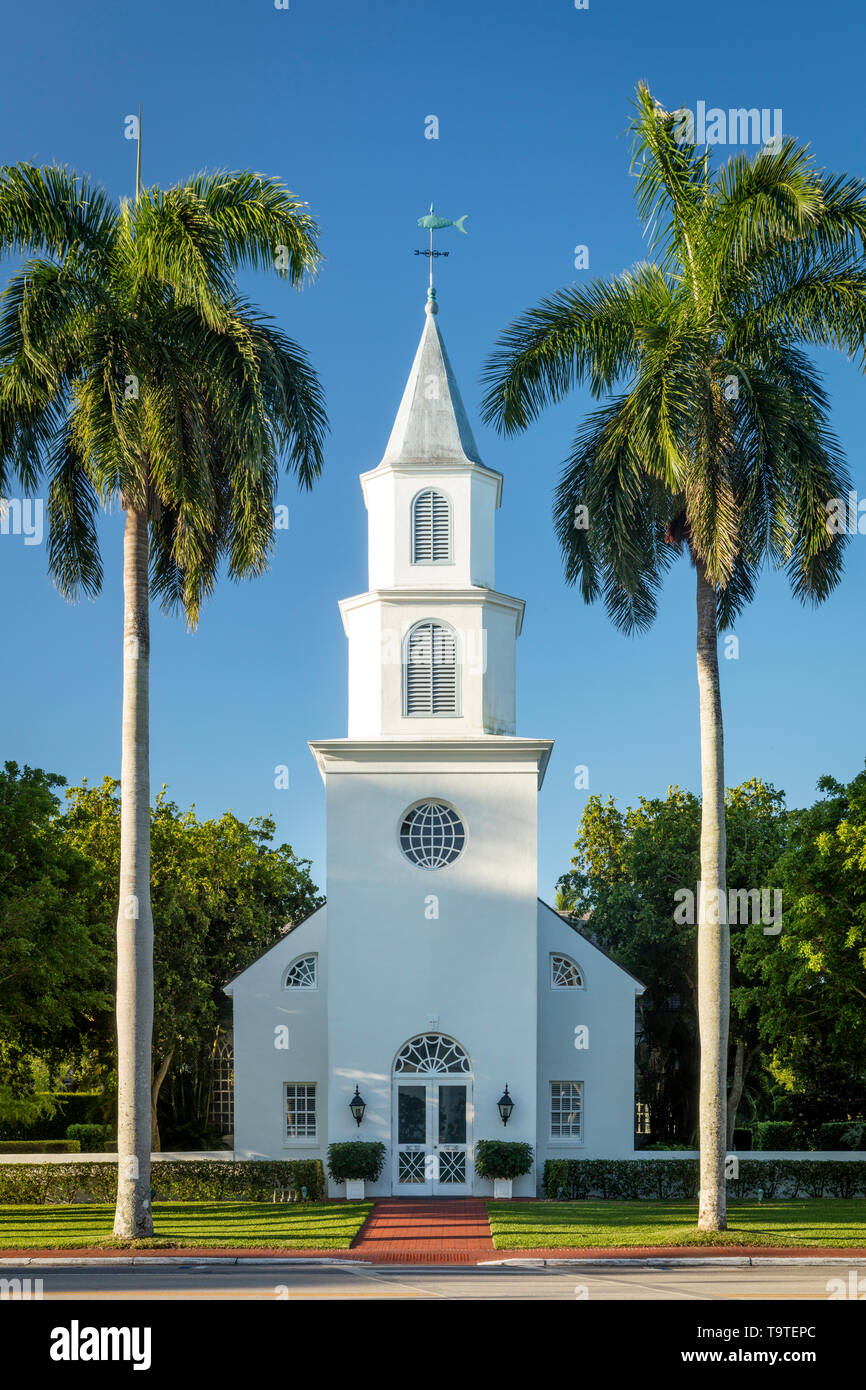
(409,1230)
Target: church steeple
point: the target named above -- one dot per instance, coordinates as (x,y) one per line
(432,426)
(431,642)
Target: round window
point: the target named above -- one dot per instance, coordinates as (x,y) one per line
(432,835)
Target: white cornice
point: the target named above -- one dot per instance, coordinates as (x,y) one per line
(488,753)
(490,598)
(433,471)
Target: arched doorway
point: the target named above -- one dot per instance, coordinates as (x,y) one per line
(433,1117)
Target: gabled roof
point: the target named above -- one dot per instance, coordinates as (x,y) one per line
(641,986)
(431,425)
(293,926)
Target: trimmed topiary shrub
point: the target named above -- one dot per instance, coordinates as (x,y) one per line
(779,1135)
(90,1137)
(502,1158)
(356,1159)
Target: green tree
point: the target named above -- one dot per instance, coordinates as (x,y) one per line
(810,983)
(53,960)
(629,868)
(222,893)
(133,371)
(714,432)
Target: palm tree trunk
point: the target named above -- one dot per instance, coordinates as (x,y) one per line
(714,951)
(133,1216)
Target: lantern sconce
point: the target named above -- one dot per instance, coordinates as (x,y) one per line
(357,1105)
(506,1105)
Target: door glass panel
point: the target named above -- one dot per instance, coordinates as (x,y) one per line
(452,1114)
(412,1115)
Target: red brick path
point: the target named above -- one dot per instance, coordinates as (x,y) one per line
(409,1230)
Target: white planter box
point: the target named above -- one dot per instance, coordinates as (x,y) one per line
(354,1189)
(501,1188)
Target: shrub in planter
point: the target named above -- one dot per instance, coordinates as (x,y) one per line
(356,1160)
(502,1158)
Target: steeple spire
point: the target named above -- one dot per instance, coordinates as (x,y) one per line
(431,425)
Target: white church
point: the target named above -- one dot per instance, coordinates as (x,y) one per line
(434,979)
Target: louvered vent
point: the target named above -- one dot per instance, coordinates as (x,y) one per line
(431,670)
(431,528)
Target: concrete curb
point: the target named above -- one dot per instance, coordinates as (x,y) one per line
(668,1262)
(124,1261)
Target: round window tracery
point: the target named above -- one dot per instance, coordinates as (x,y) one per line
(432,835)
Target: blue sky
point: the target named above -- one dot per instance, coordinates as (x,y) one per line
(533,101)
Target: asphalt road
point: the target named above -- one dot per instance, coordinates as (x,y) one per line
(315,1282)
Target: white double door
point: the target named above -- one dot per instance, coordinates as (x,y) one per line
(433,1137)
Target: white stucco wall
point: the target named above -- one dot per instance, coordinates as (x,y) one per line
(606,1067)
(392,967)
(261,1006)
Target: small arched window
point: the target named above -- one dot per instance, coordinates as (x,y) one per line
(302,973)
(431,528)
(564,973)
(430,671)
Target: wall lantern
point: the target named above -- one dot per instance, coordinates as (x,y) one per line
(506,1105)
(357,1105)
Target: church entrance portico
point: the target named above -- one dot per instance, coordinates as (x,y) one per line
(432,1118)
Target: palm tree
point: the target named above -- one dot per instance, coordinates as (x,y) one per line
(713,431)
(132,370)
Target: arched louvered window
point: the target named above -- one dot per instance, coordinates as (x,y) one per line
(430,671)
(431,528)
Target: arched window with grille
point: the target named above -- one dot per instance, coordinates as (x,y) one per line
(430,671)
(302,974)
(431,528)
(565,973)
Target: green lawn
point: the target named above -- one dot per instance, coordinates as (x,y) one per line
(596,1225)
(215,1225)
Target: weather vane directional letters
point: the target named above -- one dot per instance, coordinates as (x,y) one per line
(433,223)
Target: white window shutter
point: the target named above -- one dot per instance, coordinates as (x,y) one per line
(430,672)
(431,528)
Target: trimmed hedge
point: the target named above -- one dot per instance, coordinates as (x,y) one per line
(73,1108)
(90,1137)
(44,1146)
(630,1180)
(779,1134)
(356,1159)
(502,1158)
(843,1134)
(200,1180)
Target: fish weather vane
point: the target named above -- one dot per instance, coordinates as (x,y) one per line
(433,223)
